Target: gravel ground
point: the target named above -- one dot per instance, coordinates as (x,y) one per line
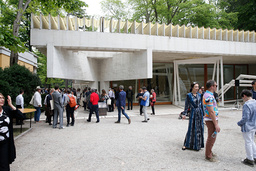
(155,145)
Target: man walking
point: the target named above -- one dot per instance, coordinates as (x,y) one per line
(120,103)
(248,127)
(211,118)
(129,94)
(94,99)
(145,103)
(58,108)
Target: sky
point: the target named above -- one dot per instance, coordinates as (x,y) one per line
(93,8)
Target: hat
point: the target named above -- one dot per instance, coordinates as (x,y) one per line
(38,87)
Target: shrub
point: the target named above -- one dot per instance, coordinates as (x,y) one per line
(18,77)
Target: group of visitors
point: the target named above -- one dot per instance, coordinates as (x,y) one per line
(202,104)
(203,107)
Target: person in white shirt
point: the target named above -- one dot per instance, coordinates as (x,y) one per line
(20,104)
(111,94)
(37,104)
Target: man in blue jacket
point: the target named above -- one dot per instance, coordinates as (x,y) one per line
(248,127)
(120,103)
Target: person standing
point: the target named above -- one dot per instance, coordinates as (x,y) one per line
(49,107)
(7,147)
(94,99)
(70,110)
(254,89)
(195,135)
(248,127)
(129,94)
(138,97)
(211,118)
(37,104)
(120,103)
(111,95)
(58,108)
(20,104)
(87,94)
(145,103)
(153,101)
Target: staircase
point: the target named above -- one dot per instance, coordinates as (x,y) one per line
(244,80)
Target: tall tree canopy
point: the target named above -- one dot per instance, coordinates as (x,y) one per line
(187,12)
(15,17)
(246,12)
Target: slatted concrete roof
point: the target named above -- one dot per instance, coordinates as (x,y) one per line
(126,27)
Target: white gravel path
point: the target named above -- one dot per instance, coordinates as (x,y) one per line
(155,145)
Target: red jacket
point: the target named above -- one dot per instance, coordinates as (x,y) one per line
(153,98)
(94,98)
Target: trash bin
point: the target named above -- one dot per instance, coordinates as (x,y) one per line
(103,108)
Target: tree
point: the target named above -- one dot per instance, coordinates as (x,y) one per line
(19,9)
(114,9)
(18,77)
(245,10)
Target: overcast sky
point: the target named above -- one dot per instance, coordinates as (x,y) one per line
(93,7)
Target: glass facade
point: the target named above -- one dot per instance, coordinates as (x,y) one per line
(162,81)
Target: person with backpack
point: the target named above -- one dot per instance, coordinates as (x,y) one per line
(129,96)
(70,108)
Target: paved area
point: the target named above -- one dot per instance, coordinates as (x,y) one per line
(155,145)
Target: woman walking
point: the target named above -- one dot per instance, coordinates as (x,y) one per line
(7,147)
(195,136)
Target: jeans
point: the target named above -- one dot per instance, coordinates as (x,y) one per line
(144,109)
(141,107)
(210,140)
(37,114)
(94,108)
(129,103)
(250,146)
(123,112)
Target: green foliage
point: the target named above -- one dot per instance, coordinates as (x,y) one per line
(114,9)
(18,77)
(245,10)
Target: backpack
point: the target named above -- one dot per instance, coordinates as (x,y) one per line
(72,101)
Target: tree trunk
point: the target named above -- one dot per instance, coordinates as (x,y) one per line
(16,27)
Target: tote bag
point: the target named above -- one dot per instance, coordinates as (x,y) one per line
(109,101)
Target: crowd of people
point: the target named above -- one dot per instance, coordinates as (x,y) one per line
(202,105)
(203,109)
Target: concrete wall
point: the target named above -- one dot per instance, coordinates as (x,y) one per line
(110,41)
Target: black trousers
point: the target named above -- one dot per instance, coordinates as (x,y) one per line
(153,108)
(111,107)
(70,113)
(141,106)
(129,103)
(94,108)
(4,156)
(19,121)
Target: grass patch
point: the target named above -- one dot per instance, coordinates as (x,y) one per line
(16,131)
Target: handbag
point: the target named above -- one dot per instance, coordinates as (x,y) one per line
(109,101)
(51,104)
(32,100)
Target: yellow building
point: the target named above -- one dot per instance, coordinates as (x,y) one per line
(27,59)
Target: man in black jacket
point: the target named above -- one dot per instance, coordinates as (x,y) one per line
(129,95)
